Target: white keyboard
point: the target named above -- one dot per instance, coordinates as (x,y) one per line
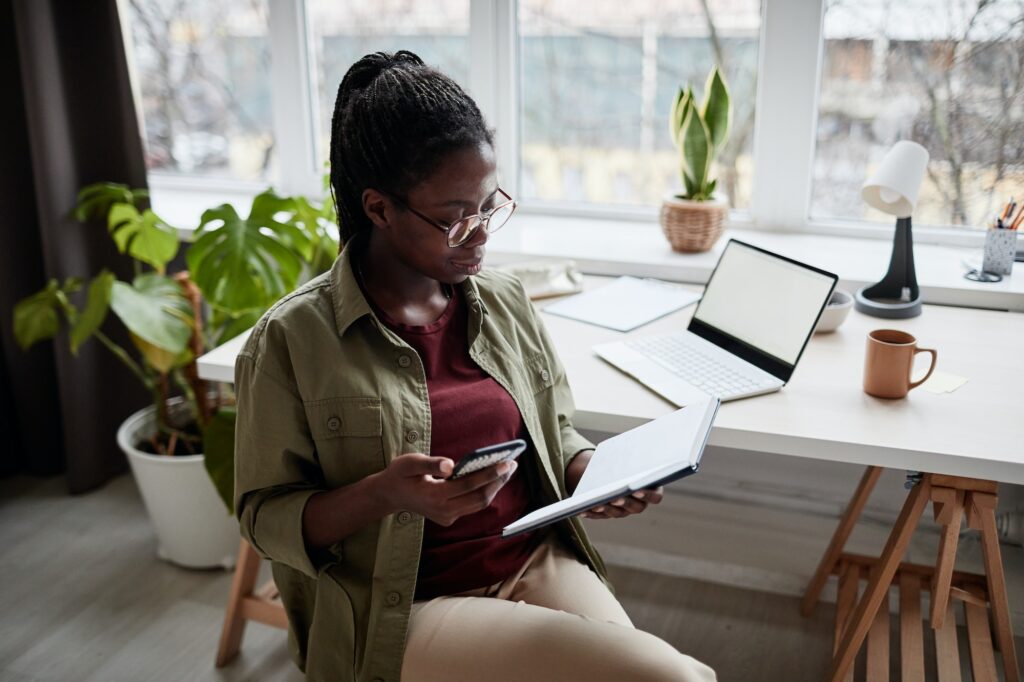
(701,369)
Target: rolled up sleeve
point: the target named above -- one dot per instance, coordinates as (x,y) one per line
(276,471)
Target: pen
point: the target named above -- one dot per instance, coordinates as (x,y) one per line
(1008,209)
(1017,220)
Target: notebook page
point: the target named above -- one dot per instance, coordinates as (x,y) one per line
(658,444)
(625,304)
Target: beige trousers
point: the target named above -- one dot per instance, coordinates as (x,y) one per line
(554,620)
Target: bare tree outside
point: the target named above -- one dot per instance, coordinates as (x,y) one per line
(948,74)
(598,79)
(202,69)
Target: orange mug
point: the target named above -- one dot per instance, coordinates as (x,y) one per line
(889,361)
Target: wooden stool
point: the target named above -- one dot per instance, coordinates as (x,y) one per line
(247,603)
(868,617)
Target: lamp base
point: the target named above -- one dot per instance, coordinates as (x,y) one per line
(897,296)
(891,309)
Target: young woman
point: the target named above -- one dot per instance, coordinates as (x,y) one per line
(358,393)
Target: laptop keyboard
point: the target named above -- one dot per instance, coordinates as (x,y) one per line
(697,367)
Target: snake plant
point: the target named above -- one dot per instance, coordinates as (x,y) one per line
(699,132)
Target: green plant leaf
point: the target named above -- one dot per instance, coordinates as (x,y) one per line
(696,147)
(35,316)
(320,225)
(95,311)
(158,316)
(675,117)
(717,108)
(219,454)
(246,264)
(143,236)
(95,200)
(690,185)
(227,327)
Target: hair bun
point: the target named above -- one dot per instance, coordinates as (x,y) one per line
(367,69)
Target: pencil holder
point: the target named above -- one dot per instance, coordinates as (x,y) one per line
(1000,248)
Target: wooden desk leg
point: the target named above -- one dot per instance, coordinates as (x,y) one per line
(949,505)
(881,578)
(839,538)
(246,571)
(982,515)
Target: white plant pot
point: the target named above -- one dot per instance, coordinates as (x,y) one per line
(193,527)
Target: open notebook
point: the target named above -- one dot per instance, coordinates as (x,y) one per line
(654,454)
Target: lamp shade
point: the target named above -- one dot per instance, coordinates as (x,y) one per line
(894,186)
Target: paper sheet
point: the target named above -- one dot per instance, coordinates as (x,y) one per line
(626,303)
(942,382)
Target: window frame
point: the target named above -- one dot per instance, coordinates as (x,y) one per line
(789,78)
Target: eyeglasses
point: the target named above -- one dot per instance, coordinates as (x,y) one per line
(461,230)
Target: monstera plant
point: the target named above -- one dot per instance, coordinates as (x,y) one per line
(237,267)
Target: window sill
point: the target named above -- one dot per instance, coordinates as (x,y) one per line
(609,247)
(634,245)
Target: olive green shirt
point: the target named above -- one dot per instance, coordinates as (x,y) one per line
(328,395)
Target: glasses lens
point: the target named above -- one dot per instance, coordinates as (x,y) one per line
(500,217)
(461,231)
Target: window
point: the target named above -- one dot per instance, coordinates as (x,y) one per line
(597,83)
(203,78)
(948,74)
(342,31)
(579,94)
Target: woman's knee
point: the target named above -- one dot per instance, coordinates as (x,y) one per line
(653,660)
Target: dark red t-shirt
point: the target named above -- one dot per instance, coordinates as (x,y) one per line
(468,410)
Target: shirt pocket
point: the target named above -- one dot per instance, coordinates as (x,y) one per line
(347,433)
(539,376)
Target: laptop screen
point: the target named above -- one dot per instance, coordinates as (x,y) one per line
(767,303)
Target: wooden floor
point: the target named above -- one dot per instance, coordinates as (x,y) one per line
(85,598)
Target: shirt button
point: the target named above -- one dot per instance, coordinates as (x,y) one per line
(412,436)
(393,598)
(404,361)
(404,517)
(334,423)
(545,375)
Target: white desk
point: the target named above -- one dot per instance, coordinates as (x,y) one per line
(823,413)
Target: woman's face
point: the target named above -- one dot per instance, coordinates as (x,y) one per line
(463,184)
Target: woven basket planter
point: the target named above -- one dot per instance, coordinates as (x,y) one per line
(693,226)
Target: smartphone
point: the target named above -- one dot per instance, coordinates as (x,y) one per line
(487,456)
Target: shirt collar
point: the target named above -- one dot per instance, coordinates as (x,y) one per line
(350,304)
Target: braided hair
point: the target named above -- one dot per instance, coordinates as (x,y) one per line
(394,120)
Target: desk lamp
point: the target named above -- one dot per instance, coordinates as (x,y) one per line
(893,190)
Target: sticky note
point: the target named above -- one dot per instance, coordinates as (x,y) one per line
(942,382)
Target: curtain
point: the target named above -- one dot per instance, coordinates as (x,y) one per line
(68,120)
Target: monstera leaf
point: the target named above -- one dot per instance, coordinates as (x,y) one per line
(95,200)
(219,454)
(35,317)
(243,264)
(143,236)
(96,306)
(158,317)
(319,222)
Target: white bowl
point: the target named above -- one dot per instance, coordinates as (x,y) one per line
(836,310)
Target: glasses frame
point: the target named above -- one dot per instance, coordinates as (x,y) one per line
(483,219)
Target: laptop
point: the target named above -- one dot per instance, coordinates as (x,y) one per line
(746,336)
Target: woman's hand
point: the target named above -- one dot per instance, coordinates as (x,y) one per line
(419,483)
(624,506)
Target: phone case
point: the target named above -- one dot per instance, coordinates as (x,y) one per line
(487,456)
